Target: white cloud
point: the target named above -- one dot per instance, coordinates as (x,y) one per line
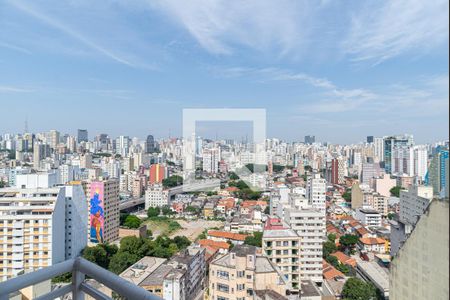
(15,48)
(380,33)
(13,89)
(219,26)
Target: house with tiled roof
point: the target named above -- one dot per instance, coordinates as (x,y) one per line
(330,272)
(224,236)
(371,244)
(344,259)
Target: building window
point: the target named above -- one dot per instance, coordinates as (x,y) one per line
(223,288)
(240,274)
(240,287)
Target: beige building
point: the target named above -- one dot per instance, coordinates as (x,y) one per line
(357,196)
(384,185)
(243,272)
(379,203)
(32,233)
(282,246)
(420,268)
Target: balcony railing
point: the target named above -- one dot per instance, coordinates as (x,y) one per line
(78,288)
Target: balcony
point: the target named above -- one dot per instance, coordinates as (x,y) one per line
(78,288)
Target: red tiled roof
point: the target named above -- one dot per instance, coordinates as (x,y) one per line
(227,235)
(330,272)
(214,244)
(344,258)
(372,241)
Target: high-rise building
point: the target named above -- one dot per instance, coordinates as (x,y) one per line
(157,173)
(150,144)
(310,139)
(438,174)
(82,135)
(104,216)
(40,151)
(309,225)
(211,158)
(402,160)
(122,145)
(316,189)
(32,223)
(389,144)
(420,268)
(338,170)
(420,162)
(370,139)
(76,216)
(53,138)
(357,196)
(378,144)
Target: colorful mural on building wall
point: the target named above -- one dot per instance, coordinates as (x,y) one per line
(96,214)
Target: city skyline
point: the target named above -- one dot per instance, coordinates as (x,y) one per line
(140,64)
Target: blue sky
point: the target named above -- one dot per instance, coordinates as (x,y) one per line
(338,69)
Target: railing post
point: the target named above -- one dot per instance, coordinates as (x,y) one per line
(77,280)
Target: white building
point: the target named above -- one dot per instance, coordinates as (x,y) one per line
(420,162)
(316,189)
(211,158)
(378,144)
(368,217)
(36,180)
(76,216)
(156,196)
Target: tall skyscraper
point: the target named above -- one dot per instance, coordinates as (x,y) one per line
(150,144)
(82,135)
(53,138)
(438,172)
(378,144)
(122,145)
(310,139)
(370,139)
(389,144)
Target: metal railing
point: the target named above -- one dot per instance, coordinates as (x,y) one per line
(79,268)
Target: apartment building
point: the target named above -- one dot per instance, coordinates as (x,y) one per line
(316,189)
(242,273)
(156,196)
(282,246)
(32,223)
(413,202)
(103,208)
(368,216)
(309,224)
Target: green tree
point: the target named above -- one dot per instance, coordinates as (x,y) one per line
(233,176)
(153,212)
(192,209)
(96,254)
(121,261)
(267,210)
(356,289)
(254,240)
(391,215)
(132,222)
(181,241)
(395,191)
(328,248)
(2,183)
(332,237)
(347,196)
(172,181)
(123,217)
(167,211)
(347,242)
